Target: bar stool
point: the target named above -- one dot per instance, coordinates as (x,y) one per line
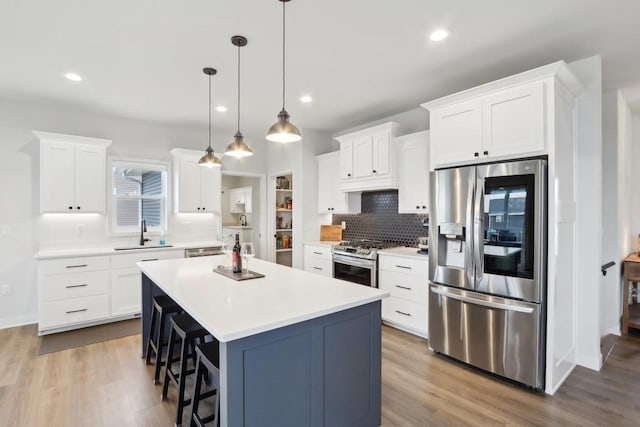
(208,356)
(163,307)
(184,330)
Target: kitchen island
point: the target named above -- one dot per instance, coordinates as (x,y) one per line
(296,349)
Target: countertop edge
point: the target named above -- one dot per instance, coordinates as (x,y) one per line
(404,252)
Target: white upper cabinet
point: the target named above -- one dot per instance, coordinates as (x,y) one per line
(506,119)
(456,132)
(241,200)
(330,198)
(72,173)
(368,159)
(413,188)
(513,120)
(196,188)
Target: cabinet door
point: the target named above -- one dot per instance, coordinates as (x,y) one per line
(362,157)
(90,182)
(326,184)
(346,160)
(248,200)
(382,158)
(210,189)
(513,121)
(189,185)
(413,186)
(57,169)
(126,293)
(456,133)
(338,198)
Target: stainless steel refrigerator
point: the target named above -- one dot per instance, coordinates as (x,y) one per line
(487,267)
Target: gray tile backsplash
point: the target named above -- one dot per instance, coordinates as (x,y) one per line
(380,220)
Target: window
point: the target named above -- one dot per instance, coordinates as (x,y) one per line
(138,192)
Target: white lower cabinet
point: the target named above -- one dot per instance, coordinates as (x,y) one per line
(84,291)
(407,281)
(317,259)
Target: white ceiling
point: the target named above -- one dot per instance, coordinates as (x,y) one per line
(360,59)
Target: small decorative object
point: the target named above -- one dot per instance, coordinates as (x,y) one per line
(638,253)
(289,204)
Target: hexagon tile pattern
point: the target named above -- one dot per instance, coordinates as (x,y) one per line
(380,220)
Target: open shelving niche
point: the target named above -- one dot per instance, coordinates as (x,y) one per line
(283,227)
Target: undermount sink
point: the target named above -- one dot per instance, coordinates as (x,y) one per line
(130,248)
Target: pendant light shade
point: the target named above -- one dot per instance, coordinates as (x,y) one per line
(209,160)
(283,130)
(237,147)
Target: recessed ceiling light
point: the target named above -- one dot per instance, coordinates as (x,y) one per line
(306,99)
(439,35)
(73,77)
(221,108)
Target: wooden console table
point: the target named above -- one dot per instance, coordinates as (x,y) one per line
(631,311)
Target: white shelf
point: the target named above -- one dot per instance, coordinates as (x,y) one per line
(283,210)
(284,250)
(284,229)
(283,190)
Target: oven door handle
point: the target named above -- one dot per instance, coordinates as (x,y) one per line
(347,260)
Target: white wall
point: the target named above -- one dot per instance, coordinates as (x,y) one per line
(23,230)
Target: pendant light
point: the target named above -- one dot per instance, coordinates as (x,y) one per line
(283,131)
(238,148)
(209,160)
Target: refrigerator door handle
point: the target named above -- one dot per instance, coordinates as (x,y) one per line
(469,261)
(478,230)
(489,304)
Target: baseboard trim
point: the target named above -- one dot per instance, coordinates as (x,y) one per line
(593,362)
(12,322)
(552,390)
(613,330)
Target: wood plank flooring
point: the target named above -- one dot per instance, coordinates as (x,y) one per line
(107,384)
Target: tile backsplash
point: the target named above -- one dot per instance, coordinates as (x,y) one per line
(380,220)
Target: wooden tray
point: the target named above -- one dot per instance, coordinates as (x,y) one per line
(330,233)
(245,275)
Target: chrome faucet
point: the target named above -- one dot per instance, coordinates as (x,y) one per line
(243,222)
(143,229)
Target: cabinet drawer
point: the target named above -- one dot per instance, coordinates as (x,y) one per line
(404,265)
(317,251)
(405,313)
(130,260)
(77,310)
(73,285)
(407,286)
(73,265)
(318,266)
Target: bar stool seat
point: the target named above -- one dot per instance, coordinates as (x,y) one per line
(163,307)
(207,366)
(184,331)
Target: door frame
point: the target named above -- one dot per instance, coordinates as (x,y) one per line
(262,221)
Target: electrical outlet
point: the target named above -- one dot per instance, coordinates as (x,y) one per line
(344,225)
(6,290)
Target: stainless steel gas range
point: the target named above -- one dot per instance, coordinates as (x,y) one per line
(357,261)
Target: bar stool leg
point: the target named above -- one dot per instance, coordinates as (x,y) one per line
(165,385)
(154,314)
(184,356)
(156,376)
(196,393)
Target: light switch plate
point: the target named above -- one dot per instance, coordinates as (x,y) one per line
(344,225)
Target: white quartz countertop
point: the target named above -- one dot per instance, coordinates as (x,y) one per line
(238,227)
(403,252)
(70,252)
(322,243)
(231,310)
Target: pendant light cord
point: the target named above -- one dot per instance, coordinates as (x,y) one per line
(283,51)
(209,110)
(238,88)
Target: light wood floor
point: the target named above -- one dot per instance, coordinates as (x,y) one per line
(107,384)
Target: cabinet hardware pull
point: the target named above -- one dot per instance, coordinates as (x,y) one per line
(317,268)
(486,153)
(198,208)
(77,311)
(77,286)
(70,207)
(403,287)
(417,207)
(204,209)
(76,266)
(78,207)
(150,259)
(403,313)
(317,253)
(374,171)
(476,154)
(348,174)
(424,207)
(403,266)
